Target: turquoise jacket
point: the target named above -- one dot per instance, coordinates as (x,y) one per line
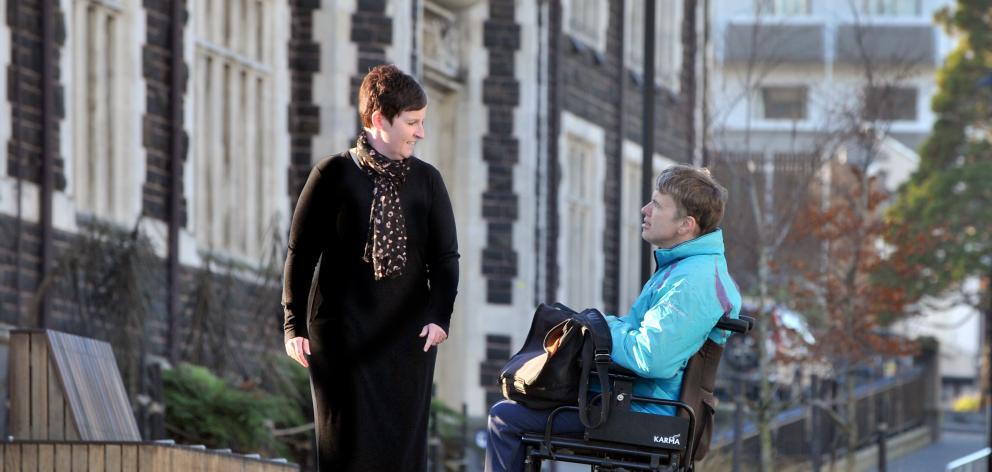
(674,314)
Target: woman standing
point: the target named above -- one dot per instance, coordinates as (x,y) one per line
(380,221)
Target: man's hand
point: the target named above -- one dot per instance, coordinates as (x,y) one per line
(434,334)
(297,347)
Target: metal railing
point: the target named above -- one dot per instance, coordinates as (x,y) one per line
(974,462)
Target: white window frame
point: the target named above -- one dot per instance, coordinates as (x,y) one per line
(581,262)
(631,203)
(235,205)
(892,8)
(594,33)
(668,40)
(784,8)
(761,112)
(106,177)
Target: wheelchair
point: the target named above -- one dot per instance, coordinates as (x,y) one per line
(630,440)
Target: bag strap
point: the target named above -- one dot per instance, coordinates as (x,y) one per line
(598,352)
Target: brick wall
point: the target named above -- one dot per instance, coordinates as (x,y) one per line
(304,114)
(587,87)
(156,61)
(500,151)
(24,91)
(252,318)
(372,32)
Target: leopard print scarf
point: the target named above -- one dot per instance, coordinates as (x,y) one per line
(385,247)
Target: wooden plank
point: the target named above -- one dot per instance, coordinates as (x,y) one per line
(29,457)
(63,457)
(46,458)
(20,385)
(251,465)
(71,432)
(39,386)
(129,457)
(96,458)
(113,458)
(92,385)
(56,406)
(146,456)
(12,457)
(165,459)
(80,458)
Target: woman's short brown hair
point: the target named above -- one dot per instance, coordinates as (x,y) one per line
(390,91)
(696,193)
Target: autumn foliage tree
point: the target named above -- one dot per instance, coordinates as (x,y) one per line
(840,290)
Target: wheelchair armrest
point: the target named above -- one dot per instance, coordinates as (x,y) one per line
(617,373)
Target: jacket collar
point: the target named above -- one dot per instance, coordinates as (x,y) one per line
(709,243)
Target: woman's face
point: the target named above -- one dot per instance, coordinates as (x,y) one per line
(399,138)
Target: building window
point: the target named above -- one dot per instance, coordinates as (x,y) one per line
(783,103)
(581,207)
(586,20)
(668,39)
(892,7)
(630,234)
(234,170)
(102,163)
(890,104)
(630,221)
(783,7)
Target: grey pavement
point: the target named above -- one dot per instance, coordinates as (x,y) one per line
(935,457)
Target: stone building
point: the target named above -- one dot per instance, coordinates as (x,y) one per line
(196,125)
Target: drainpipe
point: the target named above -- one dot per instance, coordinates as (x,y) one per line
(647,127)
(618,165)
(175,185)
(48,150)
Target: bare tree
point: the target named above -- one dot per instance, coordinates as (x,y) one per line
(771,187)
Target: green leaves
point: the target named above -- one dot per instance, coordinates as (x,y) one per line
(204,409)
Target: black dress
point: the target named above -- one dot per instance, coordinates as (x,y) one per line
(370,377)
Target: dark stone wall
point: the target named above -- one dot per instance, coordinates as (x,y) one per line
(25,91)
(304,114)
(227,323)
(588,88)
(157,125)
(500,151)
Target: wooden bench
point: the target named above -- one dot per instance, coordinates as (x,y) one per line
(71,456)
(69,411)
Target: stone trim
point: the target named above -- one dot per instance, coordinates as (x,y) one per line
(157,122)
(24,91)
(500,151)
(304,114)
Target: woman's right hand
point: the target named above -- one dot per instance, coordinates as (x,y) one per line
(296,348)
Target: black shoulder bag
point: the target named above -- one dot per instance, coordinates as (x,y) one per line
(553,366)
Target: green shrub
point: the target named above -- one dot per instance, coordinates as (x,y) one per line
(201,408)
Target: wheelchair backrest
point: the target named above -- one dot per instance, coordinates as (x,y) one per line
(698,383)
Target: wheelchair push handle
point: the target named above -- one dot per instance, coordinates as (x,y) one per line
(737,325)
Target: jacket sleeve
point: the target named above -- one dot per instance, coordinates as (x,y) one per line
(442,254)
(671,331)
(308,230)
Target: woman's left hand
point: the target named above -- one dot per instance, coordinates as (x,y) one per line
(434,334)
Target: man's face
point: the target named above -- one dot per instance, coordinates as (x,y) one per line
(662,226)
(401,136)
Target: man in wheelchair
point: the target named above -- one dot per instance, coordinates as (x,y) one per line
(673,317)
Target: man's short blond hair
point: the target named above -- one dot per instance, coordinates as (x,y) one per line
(696,193)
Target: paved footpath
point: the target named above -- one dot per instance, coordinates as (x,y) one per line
(934,458)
